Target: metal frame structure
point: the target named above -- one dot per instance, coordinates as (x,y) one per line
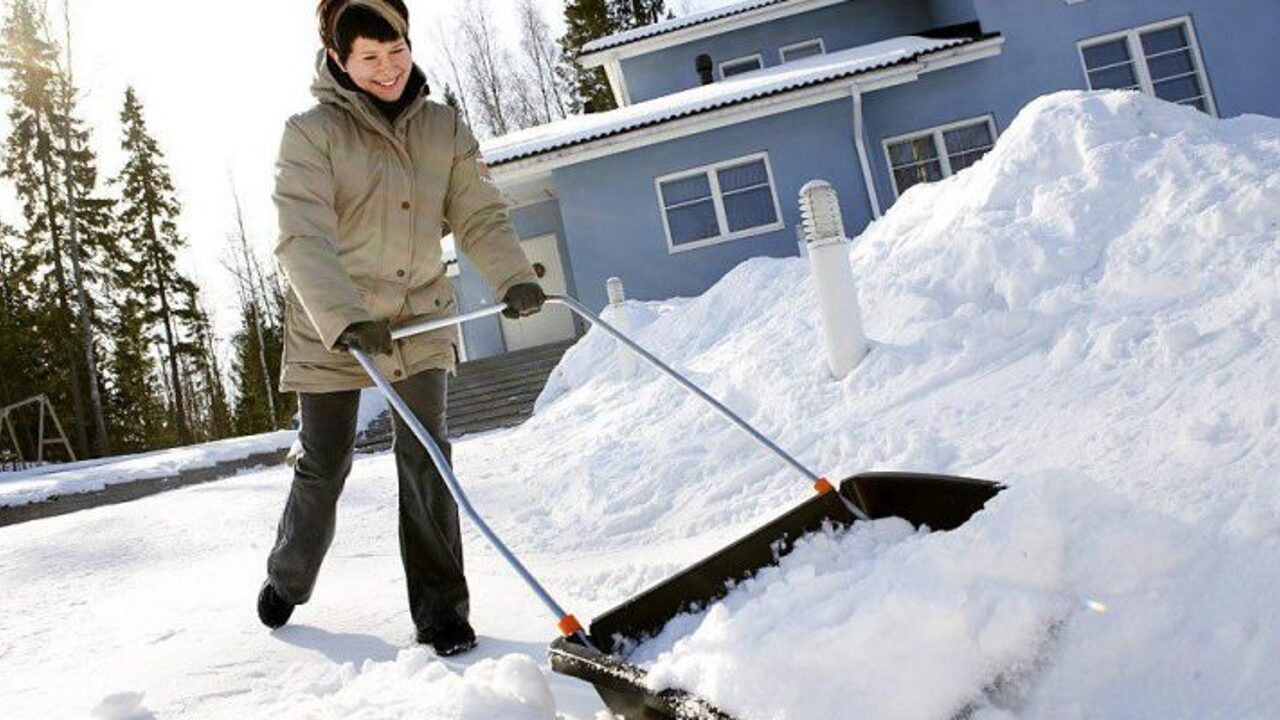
(46,409)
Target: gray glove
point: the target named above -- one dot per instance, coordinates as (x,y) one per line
(372,337)
(523,299)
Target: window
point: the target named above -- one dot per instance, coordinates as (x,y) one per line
(737,66)
(1161,60)
(802,50)
(720,202)
(938,153)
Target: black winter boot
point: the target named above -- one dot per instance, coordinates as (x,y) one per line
(448,640)
(273,610)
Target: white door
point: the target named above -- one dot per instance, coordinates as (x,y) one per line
(555,322)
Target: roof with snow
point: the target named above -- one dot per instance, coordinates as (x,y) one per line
(668,26)
(738,89)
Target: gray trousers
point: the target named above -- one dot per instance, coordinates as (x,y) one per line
(430,540)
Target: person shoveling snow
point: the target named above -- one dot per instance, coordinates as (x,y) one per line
(361,249)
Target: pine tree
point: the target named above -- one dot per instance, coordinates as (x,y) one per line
(637,13)
(87,223)
(148,212)
(38,168)
(253,406)
(135,408)
(586,20)
(17,350)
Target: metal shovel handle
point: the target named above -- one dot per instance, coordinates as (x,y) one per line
(820,483)
(568,624)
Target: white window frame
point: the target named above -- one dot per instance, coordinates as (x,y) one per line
(782,51)
(939,142)
(1133,41)
(758,58)
(717,199)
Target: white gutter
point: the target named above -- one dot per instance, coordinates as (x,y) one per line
(860,139)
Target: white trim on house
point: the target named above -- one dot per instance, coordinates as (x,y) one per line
(756,58)
(618,83)
(782,51)
(689,28)
(939,144)
(541,164)
(1138,57)
(717,198)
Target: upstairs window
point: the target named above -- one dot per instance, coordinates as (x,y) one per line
(720,202)
(737,66)
(1161,60)
(802,50)
(939,152)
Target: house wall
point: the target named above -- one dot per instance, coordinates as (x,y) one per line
(951,12)
(614,221)
(1238,42)
(840,26)
(484,337)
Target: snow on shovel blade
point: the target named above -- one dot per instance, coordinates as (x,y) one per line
(938,502)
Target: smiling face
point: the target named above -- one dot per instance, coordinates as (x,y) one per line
(379,68)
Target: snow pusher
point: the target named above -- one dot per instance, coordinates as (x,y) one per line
(936,502)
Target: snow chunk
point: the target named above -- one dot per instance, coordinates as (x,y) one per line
(416,685)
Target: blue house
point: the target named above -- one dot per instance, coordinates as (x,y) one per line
(725,114)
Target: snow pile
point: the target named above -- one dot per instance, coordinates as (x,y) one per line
(1092,315)
(416,685)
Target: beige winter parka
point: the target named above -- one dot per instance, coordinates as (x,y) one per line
(361,204)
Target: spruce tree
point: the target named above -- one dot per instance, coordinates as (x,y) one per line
(135,408)
(586,20)
(17,300)
(33,162)
(148,212)
(88,220)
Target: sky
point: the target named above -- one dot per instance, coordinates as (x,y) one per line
(217,81)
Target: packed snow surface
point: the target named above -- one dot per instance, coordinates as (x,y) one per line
(47,481)
(1090,315)
(41,483)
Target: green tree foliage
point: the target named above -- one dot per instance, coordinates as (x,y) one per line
(587,20)
(148,216)
(47,159)
(252,412)
(135,406)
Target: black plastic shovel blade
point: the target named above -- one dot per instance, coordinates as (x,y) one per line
(938,502)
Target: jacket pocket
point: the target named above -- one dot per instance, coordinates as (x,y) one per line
(433,298)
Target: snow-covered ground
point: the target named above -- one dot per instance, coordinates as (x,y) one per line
(1091,315)
(41,483)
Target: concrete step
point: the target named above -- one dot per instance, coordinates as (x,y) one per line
(487,394)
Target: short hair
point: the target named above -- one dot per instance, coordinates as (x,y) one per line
(342,21)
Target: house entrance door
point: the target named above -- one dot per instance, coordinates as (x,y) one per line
(554,323)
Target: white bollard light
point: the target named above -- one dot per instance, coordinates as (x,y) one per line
(618,309)
(833,276)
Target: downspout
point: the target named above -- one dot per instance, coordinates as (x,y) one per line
(859,139)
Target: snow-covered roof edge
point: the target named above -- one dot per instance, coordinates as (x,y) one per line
(669,26)
(745,88)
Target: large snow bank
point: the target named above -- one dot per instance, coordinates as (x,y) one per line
(1092,315)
